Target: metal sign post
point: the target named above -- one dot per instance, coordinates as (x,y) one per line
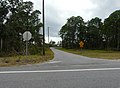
(27,36)
(26,48)
(1,44)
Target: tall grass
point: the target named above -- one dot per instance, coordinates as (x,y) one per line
(23,60)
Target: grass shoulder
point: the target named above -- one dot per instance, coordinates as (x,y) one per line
(23,60)
(102,54)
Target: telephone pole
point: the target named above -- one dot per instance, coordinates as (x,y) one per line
(43,29)
(48,34)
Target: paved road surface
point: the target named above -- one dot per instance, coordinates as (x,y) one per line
(65,71)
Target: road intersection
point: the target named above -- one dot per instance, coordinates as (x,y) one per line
(65,71)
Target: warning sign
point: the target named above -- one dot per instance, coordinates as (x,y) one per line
(81,44)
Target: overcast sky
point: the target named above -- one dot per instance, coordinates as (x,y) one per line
(57,11)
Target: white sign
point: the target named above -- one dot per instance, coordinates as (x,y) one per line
(27,36)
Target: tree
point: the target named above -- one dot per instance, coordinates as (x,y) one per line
(112,30)
(3,16)
(94,33)
(72,32)
(52,43)
(21,18)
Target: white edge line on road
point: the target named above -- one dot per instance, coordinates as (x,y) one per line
(55,71)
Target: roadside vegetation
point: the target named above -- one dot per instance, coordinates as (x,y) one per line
(97,34)
(101,37)
(102,54)
(16,17)
(24,60)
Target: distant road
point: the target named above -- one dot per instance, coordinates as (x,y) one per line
(65,71)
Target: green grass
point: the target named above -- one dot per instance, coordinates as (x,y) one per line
(112,55)
(23,60)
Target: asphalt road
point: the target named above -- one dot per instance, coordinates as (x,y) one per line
(65,71)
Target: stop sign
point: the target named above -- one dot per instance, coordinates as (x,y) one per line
(27,35)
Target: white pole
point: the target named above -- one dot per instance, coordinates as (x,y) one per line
(48,35)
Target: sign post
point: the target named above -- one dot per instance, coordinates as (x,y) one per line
(1,44)
(27,36)
(81,44)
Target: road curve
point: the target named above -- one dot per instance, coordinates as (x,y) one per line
(64,71)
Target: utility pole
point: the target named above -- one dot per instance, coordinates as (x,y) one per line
(43,29)
(48,35)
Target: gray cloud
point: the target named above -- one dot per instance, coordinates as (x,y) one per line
(57,16)
(53,21)
(105,7)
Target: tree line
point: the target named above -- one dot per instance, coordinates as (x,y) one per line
(16,17)
(95,33)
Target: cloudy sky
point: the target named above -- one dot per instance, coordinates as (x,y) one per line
(57,12)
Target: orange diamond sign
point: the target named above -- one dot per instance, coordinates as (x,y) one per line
(81,44)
